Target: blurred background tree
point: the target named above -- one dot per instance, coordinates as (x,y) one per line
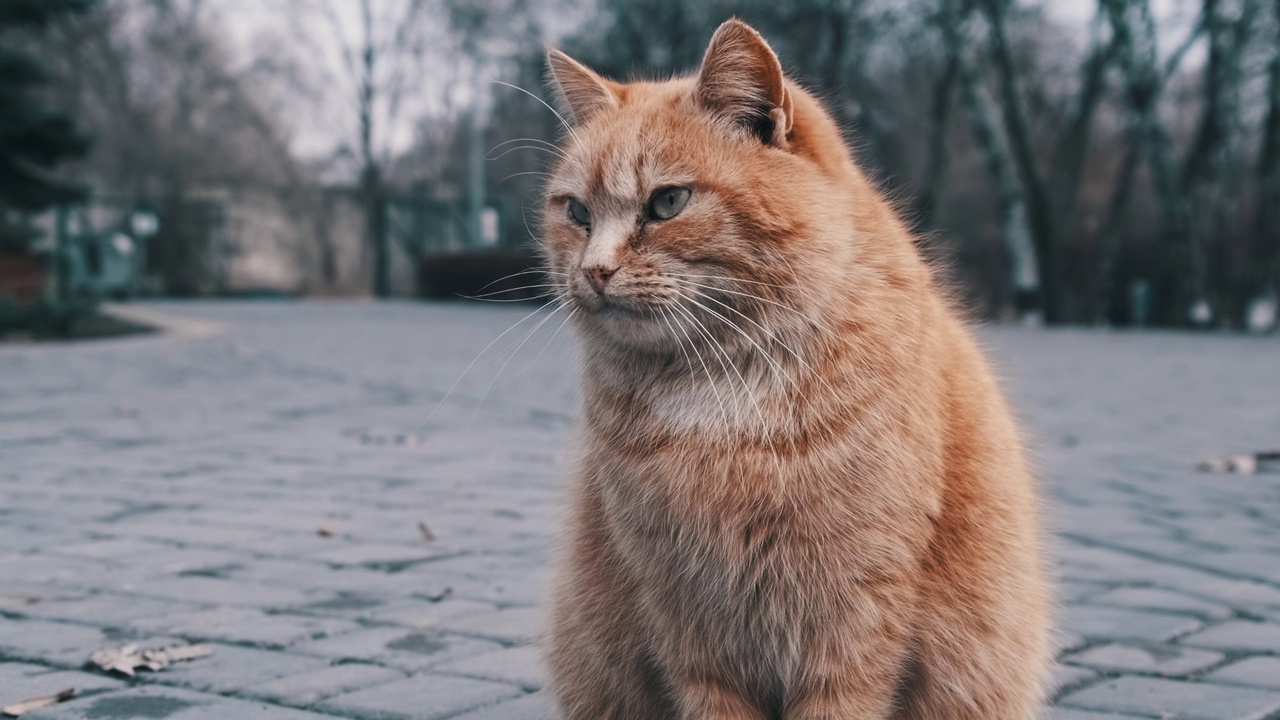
(34,137)
(1102,161)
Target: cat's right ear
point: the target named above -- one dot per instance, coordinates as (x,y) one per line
(580,93)
(741,81)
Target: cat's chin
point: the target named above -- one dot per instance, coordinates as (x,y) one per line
(625,326)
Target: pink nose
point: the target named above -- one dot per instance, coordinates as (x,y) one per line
(598,276)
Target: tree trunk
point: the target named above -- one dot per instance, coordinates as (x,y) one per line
(1025,275)
(936,172)
(1039,214)
(1134,25)
(1267,223)
(1215,150)
(372,194)
(1111,236)
(1069,160)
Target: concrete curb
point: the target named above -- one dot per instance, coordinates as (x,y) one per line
(163,322)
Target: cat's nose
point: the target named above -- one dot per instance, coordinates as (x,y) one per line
(598,276)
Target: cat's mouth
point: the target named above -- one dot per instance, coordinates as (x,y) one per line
(609,304)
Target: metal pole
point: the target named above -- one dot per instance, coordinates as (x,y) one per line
(60,248)
(475,189)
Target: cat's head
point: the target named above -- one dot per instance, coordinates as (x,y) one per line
(683,208)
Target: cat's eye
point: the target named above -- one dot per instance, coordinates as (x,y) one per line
(579,213)
(668,202)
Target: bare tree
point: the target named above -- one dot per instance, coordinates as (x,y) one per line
(1210,188)
(1025,276)
(361,60)
(1267,222)
(172,120)
(1194,194)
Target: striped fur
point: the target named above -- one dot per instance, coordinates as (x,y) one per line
(799,493)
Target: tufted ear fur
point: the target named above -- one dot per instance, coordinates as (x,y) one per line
(580,93)
(741,81)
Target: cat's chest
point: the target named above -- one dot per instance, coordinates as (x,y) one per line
(733,405)
(694,503)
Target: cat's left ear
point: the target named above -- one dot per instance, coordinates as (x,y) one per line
(741,81)
(580,93)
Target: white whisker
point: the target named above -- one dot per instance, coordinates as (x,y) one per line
(530,271)
(474,360)
(809,321)
(509,290)
(559,117)
(773,337)
(507,152)
(731,279)
(729,366)
(724,411)
(514,352)
(526,172)
(781,374)
(538,145)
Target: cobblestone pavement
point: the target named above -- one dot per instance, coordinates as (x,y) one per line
(256,481)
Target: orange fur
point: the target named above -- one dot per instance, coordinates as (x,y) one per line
(800,494)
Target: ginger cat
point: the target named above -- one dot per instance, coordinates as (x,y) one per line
(800,494)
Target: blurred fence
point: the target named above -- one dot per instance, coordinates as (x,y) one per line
(229,244)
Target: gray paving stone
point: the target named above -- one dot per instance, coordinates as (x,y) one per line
(1165,660)
(514,626)
(310,688)
(1077,591)
(1175,700)
(380,555)
(168,703)
(405,648)
(232,668)
(66,571)
(21,681)
(1066,678)
(1093,621)
(1069,714)
(245,626)
(103,608)
(523,666)
(1239,635)
(418,613)
(161,486)
(1162,600)
(214,590)
(1064,642)
(1263,672)
(58,643)
(149,558)
(537,706)
(425,697)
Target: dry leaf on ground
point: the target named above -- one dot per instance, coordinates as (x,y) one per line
(1260,462)
(26,706)
(127,659)
(426,532)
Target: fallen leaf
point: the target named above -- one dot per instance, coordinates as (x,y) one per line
(18,601)
(426,532)
(437,597)
(127,659)
(181,653)
(1251,464)
(27,706)
(122,660)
